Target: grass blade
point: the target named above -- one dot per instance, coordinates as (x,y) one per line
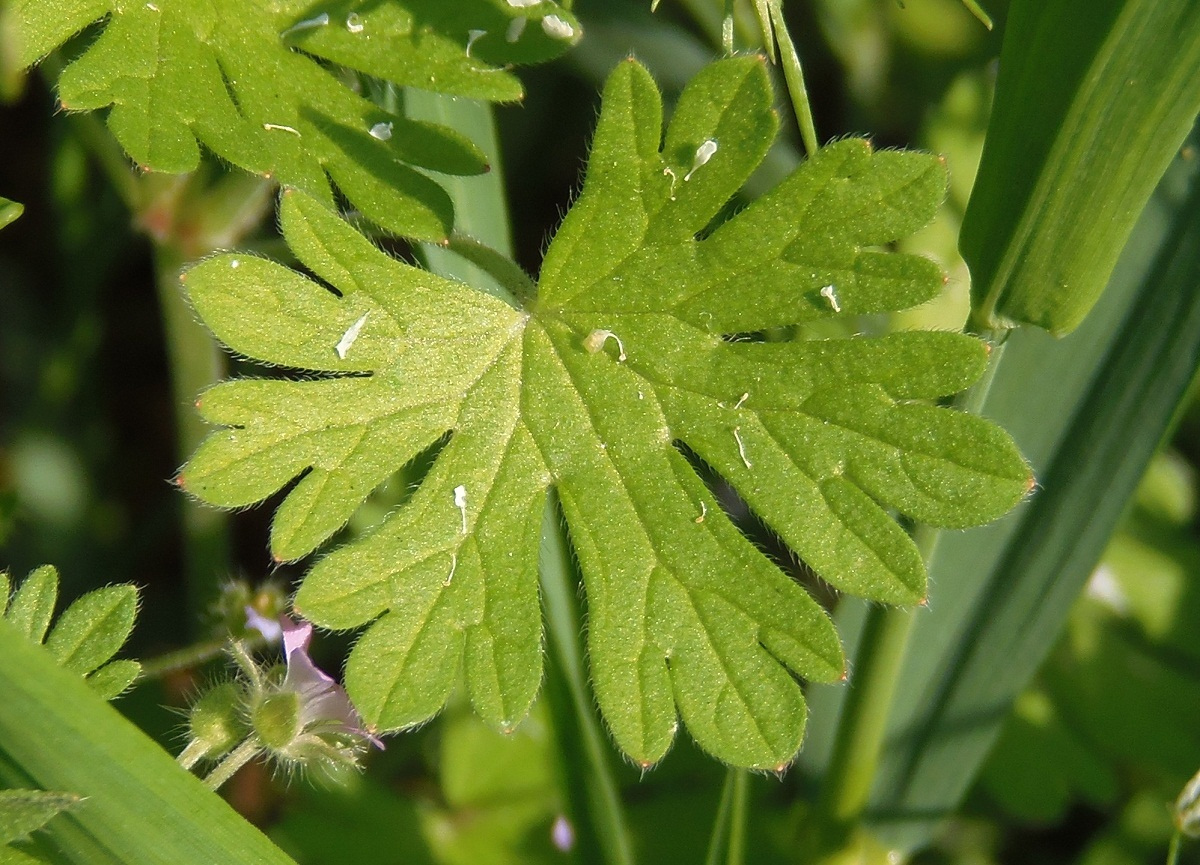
(56,734)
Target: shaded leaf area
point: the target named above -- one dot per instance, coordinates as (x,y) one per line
(87,634)
(624,354)
(224,74)
(25,811)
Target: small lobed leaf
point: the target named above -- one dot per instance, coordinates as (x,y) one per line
(241,80)
(93,628)
(632,353)
(114,678)
(25,811)
(32,606)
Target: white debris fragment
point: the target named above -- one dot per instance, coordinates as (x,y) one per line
(703,153)
(350,336)
(703,512)
(354,23)
(382,131)
(281,128)
(594,343)
(460,502)
(515,28)
(453,568)
(308,24)
(557,28)
(151,7)
(737,436)
(741,400)
(474,36)
(829,292)
(235,264)
(523,4)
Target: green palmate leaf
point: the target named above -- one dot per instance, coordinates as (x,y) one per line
(24,811)
(88,633)
(624,356)
(222,74)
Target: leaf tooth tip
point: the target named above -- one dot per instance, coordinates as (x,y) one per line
(1030,484)
(780,770)
(924,602)
(845,677)
(180,481)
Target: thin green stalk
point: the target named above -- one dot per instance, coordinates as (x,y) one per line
(196,363)
(739,817)
(793,74)
(192,754)
(856,750)
(978,11)
(716,841)
(239,757)
(590,780)
(859,742)
(1173,850)
(183,659)
(727,28)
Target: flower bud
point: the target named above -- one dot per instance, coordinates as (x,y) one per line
(215,723)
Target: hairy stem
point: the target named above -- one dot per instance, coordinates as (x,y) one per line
(591,787)
(793,74)
(227,768)
(183,659)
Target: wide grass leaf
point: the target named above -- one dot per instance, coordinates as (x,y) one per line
(224,74)
(624,362)
(1093,100)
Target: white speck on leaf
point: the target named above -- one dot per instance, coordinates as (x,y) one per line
(382,131)
(308,24)
(515,28)
(557,28)
(460,502)
(235,264)
(737,436)
(829,292)
(703,512)
(354,23)
(350,336)
(704,153)
(594,343)
(523,4)
(474,36)
(281,128)
(453,568)
(562,833)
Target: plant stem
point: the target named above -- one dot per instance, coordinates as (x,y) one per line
(196,363)
(856,750)
(978,11)
(590,782)
(716,841)
(192,754)
(183,659)
(793,74)
(1173,850)
(883,643)
(239,757)
(738,817)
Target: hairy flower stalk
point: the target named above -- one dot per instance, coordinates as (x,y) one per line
(296,716)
